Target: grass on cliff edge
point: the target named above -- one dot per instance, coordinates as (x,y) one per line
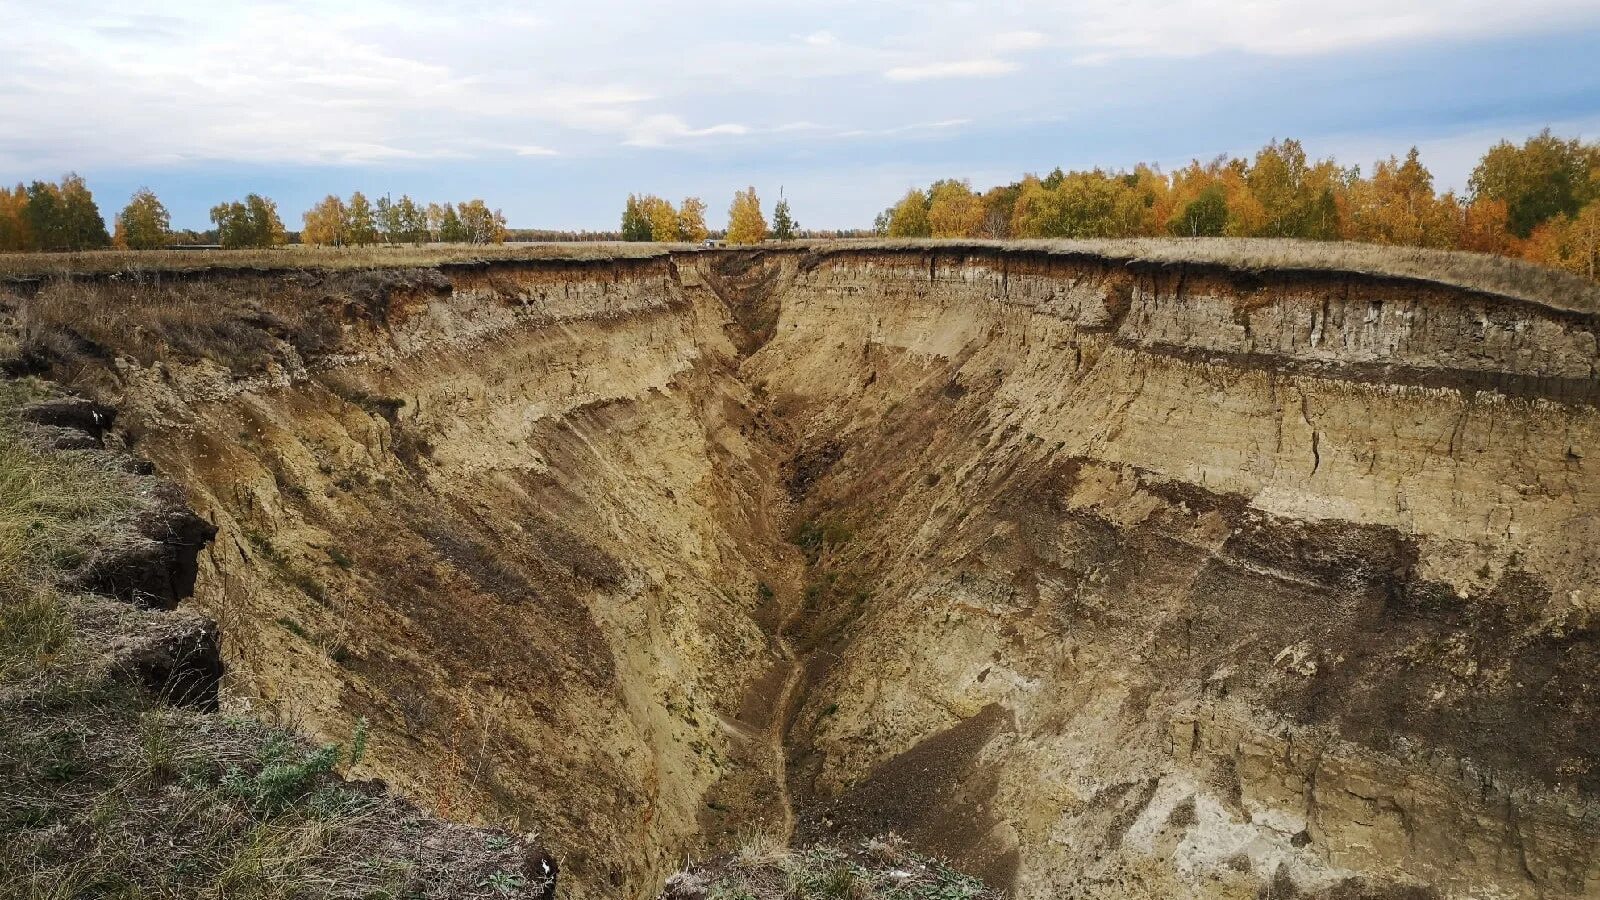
(106,792)
(1484,272)
(299,256)
(53,507)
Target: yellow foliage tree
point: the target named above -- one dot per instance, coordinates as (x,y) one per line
(954,210)
(324,223)
(480,224)
(1397,206)
(692,220)
(663,219)
(360,221)
(15,232)
(909,218)
(1571,243)
(746,224)
(143,224)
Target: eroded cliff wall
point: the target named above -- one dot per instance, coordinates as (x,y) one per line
(1160,581)
(1106,578)
(517,518)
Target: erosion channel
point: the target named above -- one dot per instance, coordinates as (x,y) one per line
(1101,577)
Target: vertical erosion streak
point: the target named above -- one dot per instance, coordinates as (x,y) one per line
(748,298)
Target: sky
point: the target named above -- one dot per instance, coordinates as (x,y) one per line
(554,112)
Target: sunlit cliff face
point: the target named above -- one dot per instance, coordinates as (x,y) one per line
(1103,579)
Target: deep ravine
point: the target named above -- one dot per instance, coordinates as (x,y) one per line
(1102,576)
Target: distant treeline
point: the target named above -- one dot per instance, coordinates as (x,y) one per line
(646,217)
(1540,201)
(63,216)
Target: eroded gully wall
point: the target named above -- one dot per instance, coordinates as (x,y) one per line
(1160,582)
(517,518)
(1118,581)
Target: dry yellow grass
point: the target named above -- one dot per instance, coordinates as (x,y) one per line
(306,257)
(1497,275)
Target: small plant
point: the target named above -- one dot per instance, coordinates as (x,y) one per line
(761,848)
(159,748)
(502,882)
(281,780)
(294,628)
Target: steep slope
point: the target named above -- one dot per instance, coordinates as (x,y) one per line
(1175,581)
(1102,573)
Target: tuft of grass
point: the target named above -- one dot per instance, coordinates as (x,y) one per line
(34,632)
(293,627)
(761,848)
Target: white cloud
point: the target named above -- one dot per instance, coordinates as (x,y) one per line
(963,68)
(136,82)
(659,130)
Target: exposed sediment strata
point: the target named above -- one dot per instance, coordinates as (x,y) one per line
(1114,578)
(1187,582)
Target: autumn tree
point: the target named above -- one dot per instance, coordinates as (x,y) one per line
(783,224)
(411,219)
(387,217)
(15,231)
(998,205)
(1204,216)
(1296,197)
(480,224)
(45,217)
(909,217)
(1569,242)
(1397,205)
(1081,205)
(1484,227)
(1544,178)
(143,224)
(692,220)
(448,225)
(324,223)
(635,224)
(252,222)
(1583,242)
(661,217)
(64,216)
(746,224)
(954,210)
(360,221)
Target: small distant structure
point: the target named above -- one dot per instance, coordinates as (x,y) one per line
(192,247)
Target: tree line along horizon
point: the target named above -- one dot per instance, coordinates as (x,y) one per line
(1539,201)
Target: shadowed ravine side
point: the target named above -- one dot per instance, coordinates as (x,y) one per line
(1103,576)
